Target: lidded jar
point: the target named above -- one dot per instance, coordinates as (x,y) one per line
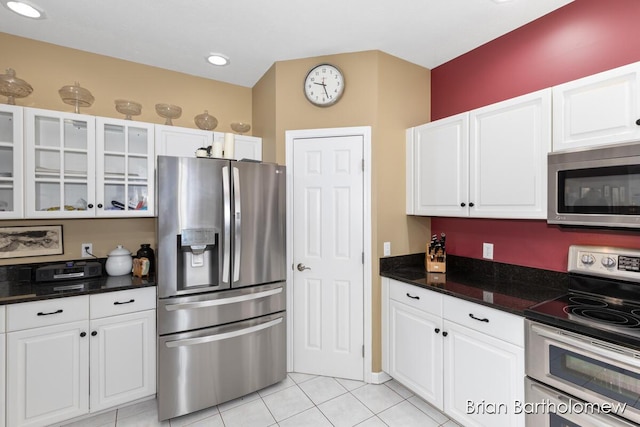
(119,262)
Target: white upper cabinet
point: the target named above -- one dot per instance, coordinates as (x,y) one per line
(600,109)
(487,163)
(183,142)
(125,168)
(180,142)
(245,146)
(11,172)
(438,154)
(59,164)
(509,143)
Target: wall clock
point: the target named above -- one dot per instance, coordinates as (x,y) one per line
(324,85)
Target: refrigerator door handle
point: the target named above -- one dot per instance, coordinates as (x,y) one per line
(226,250)
(238,227)
(224,336)
(222,301)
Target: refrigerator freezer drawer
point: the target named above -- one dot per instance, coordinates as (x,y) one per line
(216,308)
(203,368)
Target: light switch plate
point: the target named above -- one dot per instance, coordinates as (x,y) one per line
(387,249)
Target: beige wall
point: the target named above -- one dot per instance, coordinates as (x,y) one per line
(47,68)
(383,92)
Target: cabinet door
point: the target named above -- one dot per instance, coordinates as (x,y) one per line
(59,163)
(125,168)
(441,167)
(123,359)
(415,351)
(11,171)
(484,376)
(245,146)
(47,374)
(180,142)
(509,143)
(599,109)
(2,380)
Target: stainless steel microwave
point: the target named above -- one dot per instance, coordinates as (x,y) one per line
(597,187)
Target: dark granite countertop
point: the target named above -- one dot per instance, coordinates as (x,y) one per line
(503,286)
(17,285)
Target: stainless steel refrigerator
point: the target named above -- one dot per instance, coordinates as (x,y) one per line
(221,281)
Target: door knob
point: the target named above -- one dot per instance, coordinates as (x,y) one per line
(302,267)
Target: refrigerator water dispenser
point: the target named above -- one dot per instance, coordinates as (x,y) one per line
(198,258)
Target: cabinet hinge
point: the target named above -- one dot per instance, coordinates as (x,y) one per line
(362,257)
(362,165)
(363,351)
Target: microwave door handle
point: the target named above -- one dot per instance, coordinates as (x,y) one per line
(238,224)
(227,224)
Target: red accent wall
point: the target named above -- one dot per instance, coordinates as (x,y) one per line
(582,38)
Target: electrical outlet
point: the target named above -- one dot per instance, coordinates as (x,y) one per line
(386,249)
(487,250)
(87,250)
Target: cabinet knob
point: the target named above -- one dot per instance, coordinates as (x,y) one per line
(83,334)
(471,204)
(444,334)
(94,333)
(90,205)
(99,205)
(436,330)
(463,204)
(638,122)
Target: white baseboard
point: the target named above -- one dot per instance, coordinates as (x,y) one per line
(379,377)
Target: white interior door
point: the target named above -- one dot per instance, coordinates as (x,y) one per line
(328,250)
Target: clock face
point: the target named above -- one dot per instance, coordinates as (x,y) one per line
(324,85)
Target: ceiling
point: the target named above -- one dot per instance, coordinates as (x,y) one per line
(178,34)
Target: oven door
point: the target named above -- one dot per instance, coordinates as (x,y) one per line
(547,407)
(594,371)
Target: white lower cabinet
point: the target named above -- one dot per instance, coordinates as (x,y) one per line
(122,359)
(465,359)
(2,368)
(65,359)
(415,351)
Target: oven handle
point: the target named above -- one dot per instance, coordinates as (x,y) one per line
(224,336)
(223,301)
(604,420)
(586,344)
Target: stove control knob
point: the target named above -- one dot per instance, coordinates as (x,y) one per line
(587,259)
(608,262)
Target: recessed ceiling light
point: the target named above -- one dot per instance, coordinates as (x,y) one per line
(25,9)
(218,59)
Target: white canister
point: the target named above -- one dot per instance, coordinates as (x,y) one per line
(229,142)
(216,149)
(119,262)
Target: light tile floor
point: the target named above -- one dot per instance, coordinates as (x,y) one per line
(300,400)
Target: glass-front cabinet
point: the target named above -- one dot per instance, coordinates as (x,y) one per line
(59,164)
(124,168)
(11,144)
(80,166)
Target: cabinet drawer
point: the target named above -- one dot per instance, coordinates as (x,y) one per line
(496,323)
(122,302)
(417,297)
(47,312)
(2,319)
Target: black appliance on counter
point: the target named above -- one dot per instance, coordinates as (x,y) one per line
(583,348)
(68,271)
